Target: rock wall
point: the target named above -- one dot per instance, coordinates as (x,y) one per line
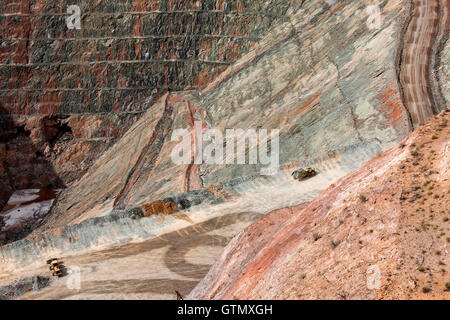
(444,73)
(416,60)
(91,84)
(323,78)
(440,69)
(22,164)
(22,286)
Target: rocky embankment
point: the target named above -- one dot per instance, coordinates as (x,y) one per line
(325,77)
(381,232)
(322,90)
(423,31)
(23,211)
(71,94)
(238,198)
(19,288)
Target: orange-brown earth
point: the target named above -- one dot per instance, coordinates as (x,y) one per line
(381,232)
(160,207)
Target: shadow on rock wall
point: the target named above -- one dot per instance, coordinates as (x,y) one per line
(22,166)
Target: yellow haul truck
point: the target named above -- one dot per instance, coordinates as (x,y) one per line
(57,266)
(304,174)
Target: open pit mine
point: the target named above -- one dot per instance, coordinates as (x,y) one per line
(224,149)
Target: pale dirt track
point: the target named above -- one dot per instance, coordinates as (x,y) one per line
(416,58)
(151,269)
(155,268)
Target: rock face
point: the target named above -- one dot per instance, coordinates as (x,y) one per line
(304,77)
(381,232)
(22,164)
(23,211)
(323,76)
(417,54)
(443,73)
(76,91)
(313,95)
(23,286)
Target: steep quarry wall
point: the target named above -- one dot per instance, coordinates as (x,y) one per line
(419,48)
(324,79)
(441,87)
(76,91)
(22,164)
(444,72)
(314,95)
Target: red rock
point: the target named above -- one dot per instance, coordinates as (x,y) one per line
(338,245)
